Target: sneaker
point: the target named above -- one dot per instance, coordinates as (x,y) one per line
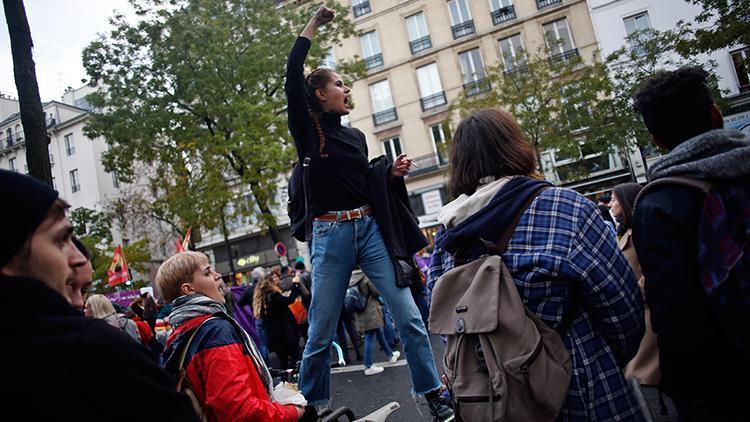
(374,370)
(438,409)
(394,357)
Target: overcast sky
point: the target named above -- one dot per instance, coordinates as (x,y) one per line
(60,30)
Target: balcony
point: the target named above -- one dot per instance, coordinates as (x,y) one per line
(477,87)
(463,29)
(9,147)
(374,61)
(361,9)
(503,14)
(384,116)
(565,56)
(516,69)
(426,164)
(420,44)
(432,101)
(541,4)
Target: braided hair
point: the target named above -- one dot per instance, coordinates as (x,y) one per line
(317,79)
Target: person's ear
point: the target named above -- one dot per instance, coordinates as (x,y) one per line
(717,120)
(186,289)
(320,95)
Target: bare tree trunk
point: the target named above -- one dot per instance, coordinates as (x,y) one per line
(268,216)
(225,233)
(32,115)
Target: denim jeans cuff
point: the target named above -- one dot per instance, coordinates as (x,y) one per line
(416,394)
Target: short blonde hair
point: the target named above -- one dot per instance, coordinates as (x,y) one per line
(100,306)
(175,271)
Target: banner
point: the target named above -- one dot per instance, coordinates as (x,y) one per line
(182,247)
(118,270)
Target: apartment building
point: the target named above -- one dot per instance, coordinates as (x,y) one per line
(422,54)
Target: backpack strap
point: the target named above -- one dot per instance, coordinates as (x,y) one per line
(702,185)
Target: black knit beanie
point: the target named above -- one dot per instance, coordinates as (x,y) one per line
(26,203)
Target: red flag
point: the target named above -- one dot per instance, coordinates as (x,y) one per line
(178,247)
(186,240)
(118,270)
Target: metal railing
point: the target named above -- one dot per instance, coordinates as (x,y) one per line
(432,101)
(541,4)
(374,61)
(477,87)
(420,44)
(427,163)
(463,29)
(384,116)
(503,14)
(565,56)
(516,69)
(361,9)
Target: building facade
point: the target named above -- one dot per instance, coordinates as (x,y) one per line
(422,54)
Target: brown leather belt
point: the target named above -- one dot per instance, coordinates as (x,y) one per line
(345,215)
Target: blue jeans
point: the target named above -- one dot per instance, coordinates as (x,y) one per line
(337,247)
(262,347)
(370,336)
(390,334)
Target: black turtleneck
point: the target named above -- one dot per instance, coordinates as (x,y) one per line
(338,173)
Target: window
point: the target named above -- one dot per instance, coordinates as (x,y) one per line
(430,87)
(361,7)
(741,58)
(19,133)
(392,147)
(512,51)
(75,183)
(461,21)
(502,11)
(541,4)
(559,40)
(382,103)
(473,72)
(115,180)
(330,60)
(12,166)
(438,140)
(637,23)
(419,37)
(371,50)
(9,135)
(70,147)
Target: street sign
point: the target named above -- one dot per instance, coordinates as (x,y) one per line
(280,249)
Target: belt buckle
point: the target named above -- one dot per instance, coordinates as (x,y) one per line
(348,215)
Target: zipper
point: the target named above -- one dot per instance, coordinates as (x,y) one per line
(525,366)
(478,399)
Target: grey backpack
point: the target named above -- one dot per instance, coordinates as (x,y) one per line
(501,362)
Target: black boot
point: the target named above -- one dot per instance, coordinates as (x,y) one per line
(438,409)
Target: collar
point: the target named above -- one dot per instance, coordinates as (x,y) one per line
(330,119)
(30,296)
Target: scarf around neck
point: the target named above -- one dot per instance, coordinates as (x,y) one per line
(718,154)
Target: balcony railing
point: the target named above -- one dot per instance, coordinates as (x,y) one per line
(477,87)
(362,9)
(426,163)
(516,69)
(432,101)
(503,14)
(565,56)
(541,4)
(420,44)
(374,61)
(463,29)
(17,143)
(384,116)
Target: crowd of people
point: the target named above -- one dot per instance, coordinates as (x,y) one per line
(650,287)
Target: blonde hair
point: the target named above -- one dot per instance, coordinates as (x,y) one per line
(259,296)
(175,271)
(100,306)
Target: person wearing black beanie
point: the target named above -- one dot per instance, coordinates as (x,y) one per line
(48,346)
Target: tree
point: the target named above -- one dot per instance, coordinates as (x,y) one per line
(721,24)
(195,91)
(24,71)
(94,228)
(559,101)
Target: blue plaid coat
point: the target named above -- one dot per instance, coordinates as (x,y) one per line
(562,247)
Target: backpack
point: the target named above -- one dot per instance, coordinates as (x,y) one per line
(298,203)
(723,253)
(183,383)
(501,362)
(354,301)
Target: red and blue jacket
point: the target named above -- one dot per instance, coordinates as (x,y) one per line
(222,373)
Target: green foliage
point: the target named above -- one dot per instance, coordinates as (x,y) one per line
(94,229)
(195,91)
(721,24)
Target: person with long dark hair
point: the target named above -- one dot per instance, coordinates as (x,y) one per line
(350,224)
(563,259)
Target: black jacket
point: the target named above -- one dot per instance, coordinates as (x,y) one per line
(57,364)
(398,226)
(281,327)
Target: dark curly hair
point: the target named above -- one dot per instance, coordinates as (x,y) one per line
(676,105)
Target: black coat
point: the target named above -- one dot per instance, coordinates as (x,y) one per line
(398,225)
(57,364)
(281,327)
